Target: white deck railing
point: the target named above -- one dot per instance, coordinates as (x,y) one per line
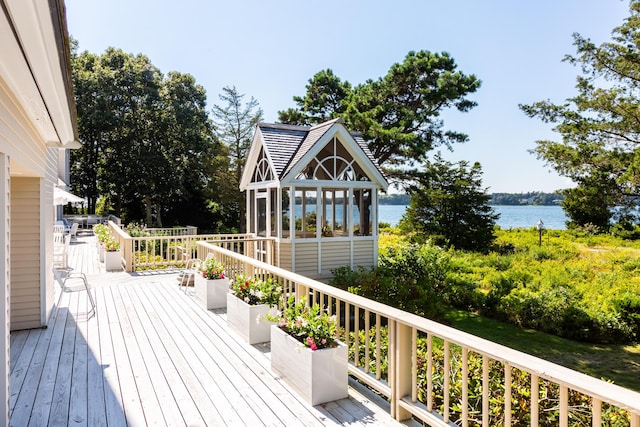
(172,251)
(443,376)
(189,230)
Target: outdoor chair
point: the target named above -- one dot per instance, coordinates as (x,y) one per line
(73,231)
(188,275)
(58,229)
(61,251)
(65,276)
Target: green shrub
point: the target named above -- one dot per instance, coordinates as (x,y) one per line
(548,397)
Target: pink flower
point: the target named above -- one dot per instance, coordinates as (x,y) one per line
(311,344)
(324,341)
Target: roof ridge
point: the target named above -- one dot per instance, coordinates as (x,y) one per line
(283,126)
(327,123)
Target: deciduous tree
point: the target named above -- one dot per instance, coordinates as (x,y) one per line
(146,138)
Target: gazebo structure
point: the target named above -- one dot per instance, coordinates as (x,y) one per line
(315,191)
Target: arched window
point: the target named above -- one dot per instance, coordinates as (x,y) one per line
(262,171)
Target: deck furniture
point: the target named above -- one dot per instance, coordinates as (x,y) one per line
(188,275)
(61,250)
(64,276)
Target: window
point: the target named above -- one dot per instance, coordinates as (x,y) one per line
(334,213)
(361,205)
(305,213)
(286,212)
(273,211)
(262,171)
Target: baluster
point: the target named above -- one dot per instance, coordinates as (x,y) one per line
(429,372)
(414,365)
(465,386)
(485,390)
(367,344)
(507,394)
(356,335)
(564,406)
(347,322)
(596,412)
(535,395)
(378,326)
(447,379)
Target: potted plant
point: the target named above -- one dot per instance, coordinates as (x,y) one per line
(112,257)
(306,354)
(211,284)
(102,234)
(249,304)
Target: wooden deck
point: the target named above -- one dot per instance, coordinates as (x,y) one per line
(153,356)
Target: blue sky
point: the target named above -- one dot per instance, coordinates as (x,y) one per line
(270,49)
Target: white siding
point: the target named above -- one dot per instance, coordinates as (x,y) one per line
(334,254)
(363,253)
(306,259)
(284,254)
(19,139)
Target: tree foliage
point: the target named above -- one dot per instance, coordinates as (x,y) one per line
(399,114)
(325,100)
(600,125)
(449,206)
(146,138)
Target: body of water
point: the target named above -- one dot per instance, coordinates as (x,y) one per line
(553,217)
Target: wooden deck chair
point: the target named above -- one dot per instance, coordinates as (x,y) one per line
(65,276)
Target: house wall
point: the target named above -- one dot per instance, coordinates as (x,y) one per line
(364,253)
(6,280)
(284,255)
(306,259)
(32,174)
(26,295)
(47,218)
(334,254)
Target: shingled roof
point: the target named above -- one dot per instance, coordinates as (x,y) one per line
(287,144)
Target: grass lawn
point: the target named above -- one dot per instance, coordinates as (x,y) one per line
(618,363)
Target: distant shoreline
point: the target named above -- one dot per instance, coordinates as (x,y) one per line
(534,198)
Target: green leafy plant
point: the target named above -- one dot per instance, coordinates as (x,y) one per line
(101,232)
(211,269)
(111,245)
(255,291)
(310,325)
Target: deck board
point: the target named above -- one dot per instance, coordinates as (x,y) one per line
(152,355)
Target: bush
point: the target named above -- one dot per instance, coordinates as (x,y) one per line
(579,404)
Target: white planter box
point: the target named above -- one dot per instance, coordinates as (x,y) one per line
(112,261)
(101,252)
(319,376)
(211,293)
(249,321)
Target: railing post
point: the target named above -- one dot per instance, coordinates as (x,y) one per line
(128,254)
(402,384)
